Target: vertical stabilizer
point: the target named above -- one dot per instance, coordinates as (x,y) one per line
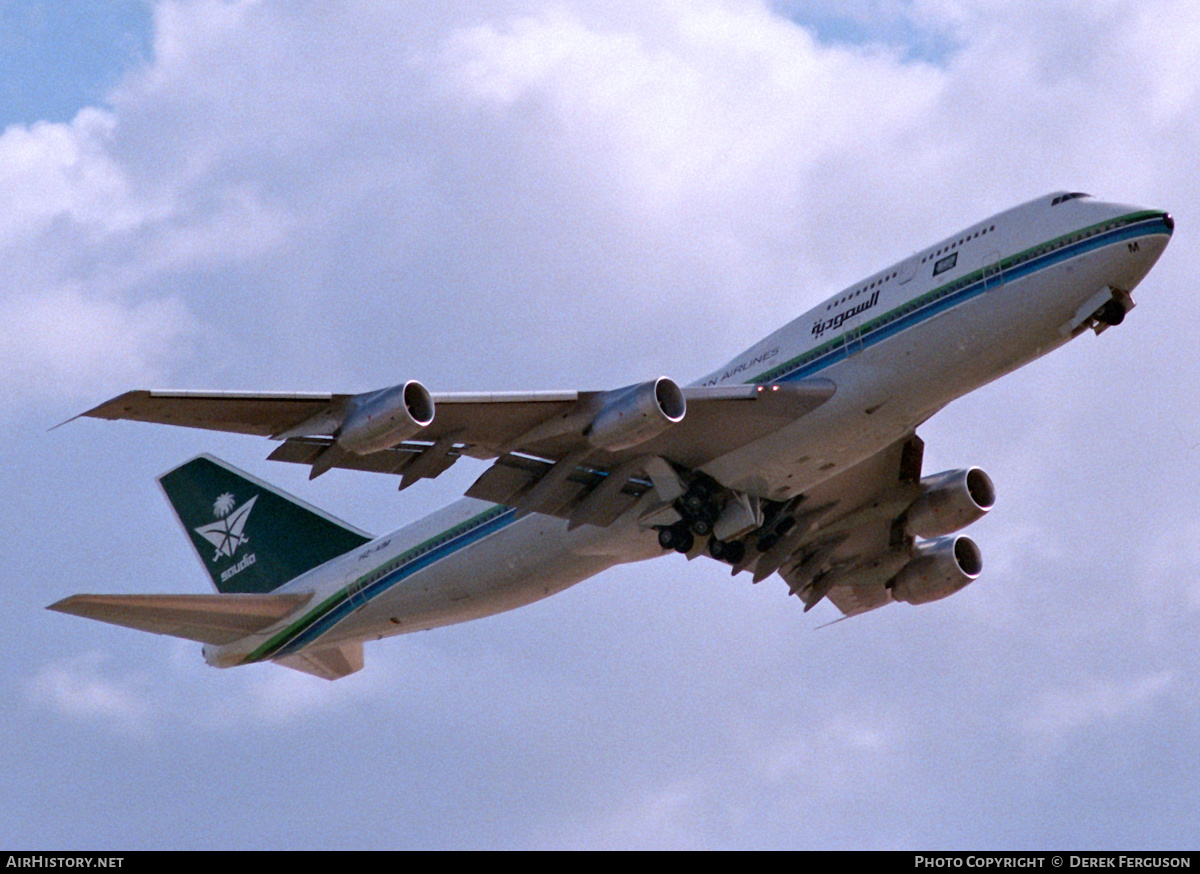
(250,536)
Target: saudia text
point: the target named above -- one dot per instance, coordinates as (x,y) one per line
(248,560)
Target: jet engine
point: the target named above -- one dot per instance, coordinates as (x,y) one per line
(637,415)
(381,420)
(950,501)
(939,568)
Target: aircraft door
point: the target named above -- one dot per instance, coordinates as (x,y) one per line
(863,308)
(854,335)
(993,274)
(356,580)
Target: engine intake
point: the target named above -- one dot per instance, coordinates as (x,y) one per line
(382,419)
(637,415)
(939,568)
(950,501)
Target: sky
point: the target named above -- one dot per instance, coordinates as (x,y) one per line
(261,195)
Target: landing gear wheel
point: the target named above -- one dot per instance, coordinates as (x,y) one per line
(1112,313)
(677,537)
(716,548)
(701,527)
(693,503)
(733,551)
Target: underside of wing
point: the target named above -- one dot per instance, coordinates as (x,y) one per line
(846,544)
(261,413)
(215,619)
(550,450)
(874,534)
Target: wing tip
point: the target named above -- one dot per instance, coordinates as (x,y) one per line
(103,410)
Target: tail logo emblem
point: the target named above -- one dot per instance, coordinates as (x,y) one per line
(226,534)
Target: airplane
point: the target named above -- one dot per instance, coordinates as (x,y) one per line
(798,457)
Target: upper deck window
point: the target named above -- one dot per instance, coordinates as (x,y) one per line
(1072,196)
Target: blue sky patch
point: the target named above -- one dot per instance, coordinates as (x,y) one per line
(896,31)
(56,58)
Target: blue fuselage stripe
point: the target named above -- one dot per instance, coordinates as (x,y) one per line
(839,349)
(369,592)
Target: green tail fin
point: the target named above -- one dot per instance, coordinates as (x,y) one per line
(250,536)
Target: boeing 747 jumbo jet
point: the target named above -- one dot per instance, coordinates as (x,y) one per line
(798,457)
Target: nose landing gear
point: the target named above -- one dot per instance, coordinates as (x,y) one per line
(1112,313)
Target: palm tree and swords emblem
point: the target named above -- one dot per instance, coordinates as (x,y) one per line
(226,533)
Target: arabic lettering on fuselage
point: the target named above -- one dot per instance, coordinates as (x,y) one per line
(820,327)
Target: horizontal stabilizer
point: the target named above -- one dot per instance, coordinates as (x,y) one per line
(329,662)
(215,619)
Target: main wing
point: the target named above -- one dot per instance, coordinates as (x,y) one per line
(582,437)
(876,533)
(849,544)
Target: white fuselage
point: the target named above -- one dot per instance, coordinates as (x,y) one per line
(899,345)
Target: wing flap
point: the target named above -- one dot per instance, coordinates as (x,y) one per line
(508,477)
(306,450)
(215,619)
(853,600)
(579,491)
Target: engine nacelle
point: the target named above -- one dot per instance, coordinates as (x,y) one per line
(950,501)
(939,569)
(386,417)
(642,412)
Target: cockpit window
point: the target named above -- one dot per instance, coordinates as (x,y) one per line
(1072,196)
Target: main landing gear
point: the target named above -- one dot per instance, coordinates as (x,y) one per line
(678,537)
(700,509)
(682,538)
(732,551)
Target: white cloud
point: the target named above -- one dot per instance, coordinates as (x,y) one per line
(661,818)
(79,689)
(1062,711)
(271,696)
(716,114)
(50,171)
(1167,584)
(66,342)
(834,755)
